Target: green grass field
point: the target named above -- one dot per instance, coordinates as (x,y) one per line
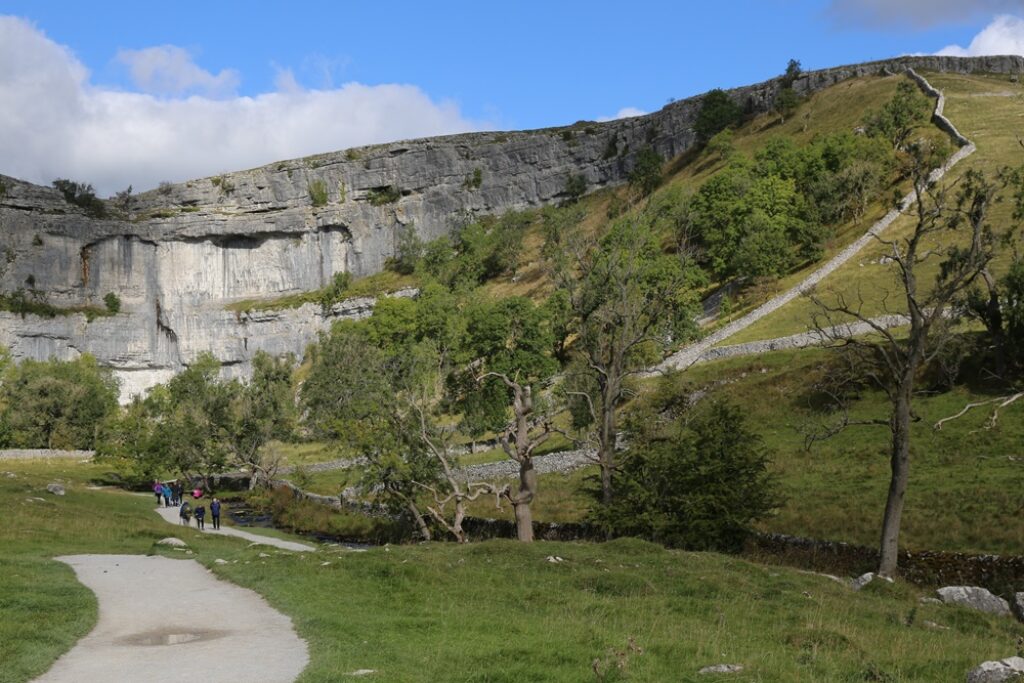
(494,611)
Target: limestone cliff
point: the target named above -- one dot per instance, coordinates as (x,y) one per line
(180,253)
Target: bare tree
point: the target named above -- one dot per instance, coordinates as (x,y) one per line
(951,230)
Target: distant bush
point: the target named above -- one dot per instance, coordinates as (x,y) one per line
(112,302)
(83,195)
(318,192)
(575,187)
(475,180)
(646,173)
(379,196)
(335,292)
(224,184)
(611,150)
(717,112)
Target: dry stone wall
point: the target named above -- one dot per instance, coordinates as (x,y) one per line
(179,254)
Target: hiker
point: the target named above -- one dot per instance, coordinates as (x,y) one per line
(158,489)
(200,517)
(165,490)
(197,493)
(185,513)
(176,491)
(215,512)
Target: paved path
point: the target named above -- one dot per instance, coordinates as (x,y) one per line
(171,515)
(161,619)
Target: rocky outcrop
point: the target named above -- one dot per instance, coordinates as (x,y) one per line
(176,256)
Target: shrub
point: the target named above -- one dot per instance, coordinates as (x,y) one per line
(224,184)
(646,173)
(83,195)
(318,192)
(335,292)
(575,187)
(112,302)
(379,196)
(474,181)
(696,484)
(717,112)
(611,150)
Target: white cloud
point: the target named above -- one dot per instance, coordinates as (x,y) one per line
(624,113)
(55,123)
(169,70)
(918,13)
(1004,36)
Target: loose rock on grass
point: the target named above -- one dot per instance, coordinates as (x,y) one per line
(974,598)
(1009,669)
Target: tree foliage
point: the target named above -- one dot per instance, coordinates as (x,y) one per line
(55,404)
(717,112)
(900,116)
(697,482)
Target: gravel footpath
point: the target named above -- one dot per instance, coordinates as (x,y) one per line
(160,619)
(171,515)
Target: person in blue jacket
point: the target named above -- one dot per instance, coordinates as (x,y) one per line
(165,490)
(215,512)
(200,517)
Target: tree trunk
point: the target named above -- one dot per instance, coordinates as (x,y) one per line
(900,466)
(606,445)
(521,502)
(421,524)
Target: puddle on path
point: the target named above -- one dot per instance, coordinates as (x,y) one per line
(171,636)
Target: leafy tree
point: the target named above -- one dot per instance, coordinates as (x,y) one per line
(897,119)
(695,482)
(194,419)
(629,300)
(646,173)
(717,112)
(785,103)
(261,410)
(575,187)
(55,404)
(510,344)
(126,439)
(793,72)
(721,144)
(951,229)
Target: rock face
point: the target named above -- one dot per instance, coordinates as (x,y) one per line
(178,255)
(975,598)
(1009,669)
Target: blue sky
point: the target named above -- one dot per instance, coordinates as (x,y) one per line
(163,67)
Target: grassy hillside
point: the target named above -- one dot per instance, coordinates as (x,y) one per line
(985,108)
(495,611)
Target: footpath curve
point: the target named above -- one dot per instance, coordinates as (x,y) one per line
(161,618)
(171,515)
(686,357)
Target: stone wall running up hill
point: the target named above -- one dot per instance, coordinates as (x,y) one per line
(184,251)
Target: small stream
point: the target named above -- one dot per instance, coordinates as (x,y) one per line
(243,515)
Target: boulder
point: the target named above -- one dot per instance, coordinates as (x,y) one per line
(173,542)
(865,579)
(55,488)
(1009,669)
(974,598)
(220,561)
(722,669)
